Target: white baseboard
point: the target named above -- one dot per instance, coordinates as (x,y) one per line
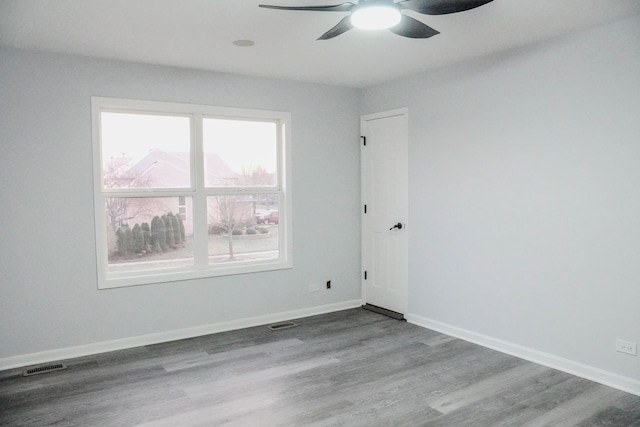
(572,367)
(160,337)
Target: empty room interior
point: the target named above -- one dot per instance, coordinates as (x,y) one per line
(440,221)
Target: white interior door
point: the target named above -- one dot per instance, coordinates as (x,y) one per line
(385,209)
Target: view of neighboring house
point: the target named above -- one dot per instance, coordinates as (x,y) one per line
(161,169)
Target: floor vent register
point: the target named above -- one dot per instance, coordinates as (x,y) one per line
(44,369)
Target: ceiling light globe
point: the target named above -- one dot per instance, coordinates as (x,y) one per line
(375,17)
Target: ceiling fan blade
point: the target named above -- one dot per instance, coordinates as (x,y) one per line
(343,26)
(344,7)
(412,28)
(441,7)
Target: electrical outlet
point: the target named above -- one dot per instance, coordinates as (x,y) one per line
(314,287)
(328,284)
(627,347)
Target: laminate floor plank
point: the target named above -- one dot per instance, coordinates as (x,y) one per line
(580,408)
(612,417)
(349,368)
(204,358)
(533,401)
(121,357)
(455,367)
(255,378)
(92,407)
(437,340)
(505,404)
(477,391)
(302,413)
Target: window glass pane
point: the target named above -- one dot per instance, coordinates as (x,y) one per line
(240,153)
(243,228)
(148,233)
(145,151)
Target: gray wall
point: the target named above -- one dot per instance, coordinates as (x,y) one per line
(524,177)
(49,298)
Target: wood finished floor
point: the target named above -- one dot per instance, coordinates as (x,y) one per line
(351,368)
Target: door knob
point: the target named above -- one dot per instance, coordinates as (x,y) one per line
(398,226)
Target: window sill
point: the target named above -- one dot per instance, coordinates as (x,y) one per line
(149,278)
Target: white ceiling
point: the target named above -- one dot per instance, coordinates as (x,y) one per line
(199,34)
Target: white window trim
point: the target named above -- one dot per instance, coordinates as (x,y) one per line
(201,269)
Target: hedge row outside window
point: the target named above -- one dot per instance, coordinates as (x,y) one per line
(189,191)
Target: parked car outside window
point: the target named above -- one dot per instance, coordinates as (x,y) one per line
(268,217)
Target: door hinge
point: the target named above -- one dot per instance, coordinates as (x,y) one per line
(364,140)
(365,275)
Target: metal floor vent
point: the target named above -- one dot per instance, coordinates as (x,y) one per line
(283,325)
(43,369)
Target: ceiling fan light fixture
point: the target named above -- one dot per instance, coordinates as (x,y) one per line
(376,16)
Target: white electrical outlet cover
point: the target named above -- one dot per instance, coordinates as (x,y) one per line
(627,347)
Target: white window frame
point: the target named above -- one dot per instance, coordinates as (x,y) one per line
(199,193)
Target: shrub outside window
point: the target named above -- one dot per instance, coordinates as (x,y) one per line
(182,191)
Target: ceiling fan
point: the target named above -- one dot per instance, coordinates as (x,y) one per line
(387,14)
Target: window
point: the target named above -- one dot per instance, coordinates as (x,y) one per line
(188,191)
(182,207)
